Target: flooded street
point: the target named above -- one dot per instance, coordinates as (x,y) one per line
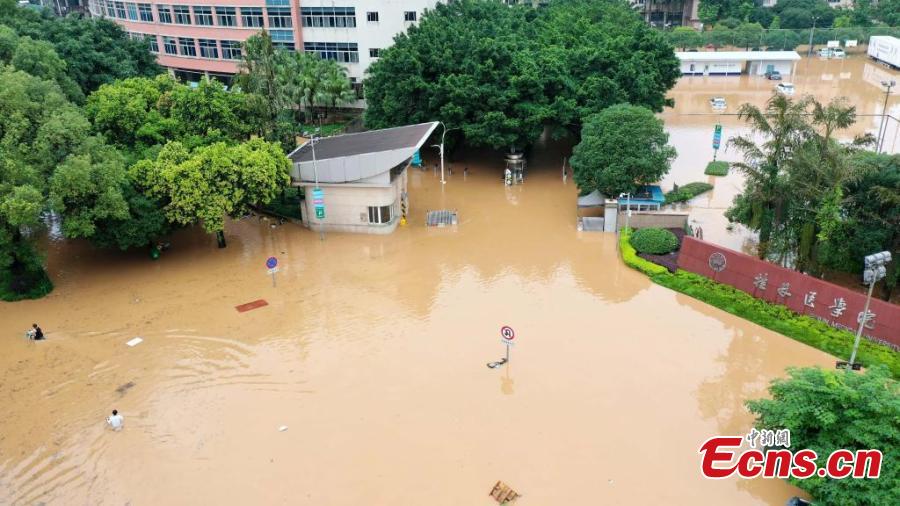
(690,125)
(372,352)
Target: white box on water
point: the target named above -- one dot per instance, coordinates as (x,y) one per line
(885,49)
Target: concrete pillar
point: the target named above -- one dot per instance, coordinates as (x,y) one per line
(610,215)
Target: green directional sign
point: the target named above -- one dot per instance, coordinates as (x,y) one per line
(320,213)
(717,136)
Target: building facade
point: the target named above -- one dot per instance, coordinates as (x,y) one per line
(203,37)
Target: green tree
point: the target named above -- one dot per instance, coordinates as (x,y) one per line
(96,51)
(685,37)
(828,410)
(259,77)
(707,13)
(749,35)
(621,148)
(212,182)
(39,129)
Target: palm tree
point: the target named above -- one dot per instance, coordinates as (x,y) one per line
(762,205)
(336,88)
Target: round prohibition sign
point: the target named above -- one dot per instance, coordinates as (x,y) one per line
(506,332)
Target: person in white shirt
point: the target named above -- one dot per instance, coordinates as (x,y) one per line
(115,421)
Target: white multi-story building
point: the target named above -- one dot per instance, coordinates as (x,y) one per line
(203,37)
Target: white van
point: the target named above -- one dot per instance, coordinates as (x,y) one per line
(785,88)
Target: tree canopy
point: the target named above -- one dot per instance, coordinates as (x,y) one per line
(500,74)
(827,410)
(621,148)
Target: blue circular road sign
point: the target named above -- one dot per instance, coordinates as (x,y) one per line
(271,262)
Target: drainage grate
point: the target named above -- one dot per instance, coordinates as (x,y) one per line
(441,218)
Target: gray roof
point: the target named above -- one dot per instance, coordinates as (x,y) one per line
(362,158)
(373,141)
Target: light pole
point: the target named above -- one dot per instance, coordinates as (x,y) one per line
(312,142)
(882,133)
(627,206)
(811,32)
(875,270)
(441,148)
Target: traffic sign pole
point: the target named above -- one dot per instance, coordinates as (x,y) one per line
(272,264)
(717,140)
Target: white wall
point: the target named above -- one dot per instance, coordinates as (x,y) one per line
(711,67)
(347,207)
(758,68)
(366,34)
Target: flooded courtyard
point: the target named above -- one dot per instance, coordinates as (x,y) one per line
(372,352)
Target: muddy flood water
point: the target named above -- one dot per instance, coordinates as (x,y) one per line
(372,352)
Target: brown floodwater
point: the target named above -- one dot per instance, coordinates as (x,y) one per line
(372,352)
(690,125)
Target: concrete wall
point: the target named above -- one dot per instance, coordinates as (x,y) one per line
(347,206)
(649,219)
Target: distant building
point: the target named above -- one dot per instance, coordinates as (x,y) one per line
(668,13)
(756,63)
(194,38)
(363,177)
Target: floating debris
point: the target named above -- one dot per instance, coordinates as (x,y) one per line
(134,342)
(503,494)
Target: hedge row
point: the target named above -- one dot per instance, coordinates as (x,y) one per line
(717,168)
(687,192)
(771,316)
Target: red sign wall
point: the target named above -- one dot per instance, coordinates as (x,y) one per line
(832,304)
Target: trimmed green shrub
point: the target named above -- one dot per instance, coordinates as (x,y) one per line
(718,168)
(687,192)
(629,256)
(655,241)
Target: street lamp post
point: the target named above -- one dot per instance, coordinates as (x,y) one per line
(882,133)
(441,149)
(875,270)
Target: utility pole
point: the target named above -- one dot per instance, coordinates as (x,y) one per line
(441,149)
(882,130)
(312,141)
(811,32)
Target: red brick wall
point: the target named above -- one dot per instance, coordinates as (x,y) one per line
(835,305)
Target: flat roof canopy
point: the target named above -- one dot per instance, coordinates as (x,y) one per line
(737,55)
(352,157)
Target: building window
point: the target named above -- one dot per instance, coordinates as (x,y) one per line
(252,17)
(203,15)
(279,17)
(329,17)
(409,16)
(231,49)
(208,48)
(344,52)
(374,52)
(120,10)
(379,214)
(146,12)
(152,43)
(372,16)
(110,9)
(186,45)
(283,39)
(132,12)
(182,14)
(169,45)
(164,13)
(226,16)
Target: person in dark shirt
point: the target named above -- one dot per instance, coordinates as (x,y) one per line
(36,333)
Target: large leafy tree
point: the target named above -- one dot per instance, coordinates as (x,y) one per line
(211,182)
(501,74)
(96,51)
(621,148)
(828,410)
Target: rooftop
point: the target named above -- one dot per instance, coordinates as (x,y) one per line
(372,141)
(737,55)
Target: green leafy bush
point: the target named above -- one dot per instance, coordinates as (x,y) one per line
(687,192)
(629,256)
(828,410)
(655,241)
(718,168)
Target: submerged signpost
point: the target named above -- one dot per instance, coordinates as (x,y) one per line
(272,264)
(508,334)
(717,140)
